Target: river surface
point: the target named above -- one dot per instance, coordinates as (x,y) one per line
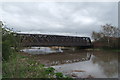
(78,63)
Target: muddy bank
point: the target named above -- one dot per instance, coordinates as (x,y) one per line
(60,58)
(81,64)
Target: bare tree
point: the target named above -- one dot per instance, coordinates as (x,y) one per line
(109,31)
(109,35)
(96,36)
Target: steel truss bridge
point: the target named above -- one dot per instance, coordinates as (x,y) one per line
(45,40)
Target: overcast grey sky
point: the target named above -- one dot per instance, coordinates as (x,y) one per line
(59,17)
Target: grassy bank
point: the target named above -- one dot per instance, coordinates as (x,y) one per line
(23,67)
(111,50)
(20,66)
(103,49)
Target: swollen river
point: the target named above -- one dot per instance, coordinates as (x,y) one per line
(78,64)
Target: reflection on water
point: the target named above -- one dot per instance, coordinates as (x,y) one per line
(80,64)
(83,69)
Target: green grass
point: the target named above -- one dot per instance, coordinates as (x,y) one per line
(20,66)
(23,67)
(112,50)
(105,49)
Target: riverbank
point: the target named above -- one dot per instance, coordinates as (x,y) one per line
(65,57)
(52,59)
(27,65)
(22,66)
(101,49)
(100,65)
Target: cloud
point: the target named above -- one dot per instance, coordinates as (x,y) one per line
(59,17)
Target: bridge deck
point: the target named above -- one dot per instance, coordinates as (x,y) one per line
(53,40)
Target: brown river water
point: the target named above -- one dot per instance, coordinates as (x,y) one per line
(78,63)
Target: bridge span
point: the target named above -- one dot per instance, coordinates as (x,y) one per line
(46,40)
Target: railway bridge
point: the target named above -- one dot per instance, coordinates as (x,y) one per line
(46,40)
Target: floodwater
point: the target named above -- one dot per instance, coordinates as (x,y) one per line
(78,64)
(41,50)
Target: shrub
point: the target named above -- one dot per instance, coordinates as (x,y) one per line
(59,75)
(49,70)
(8,41)
(6,51)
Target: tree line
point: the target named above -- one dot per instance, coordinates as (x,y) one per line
(107,37)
